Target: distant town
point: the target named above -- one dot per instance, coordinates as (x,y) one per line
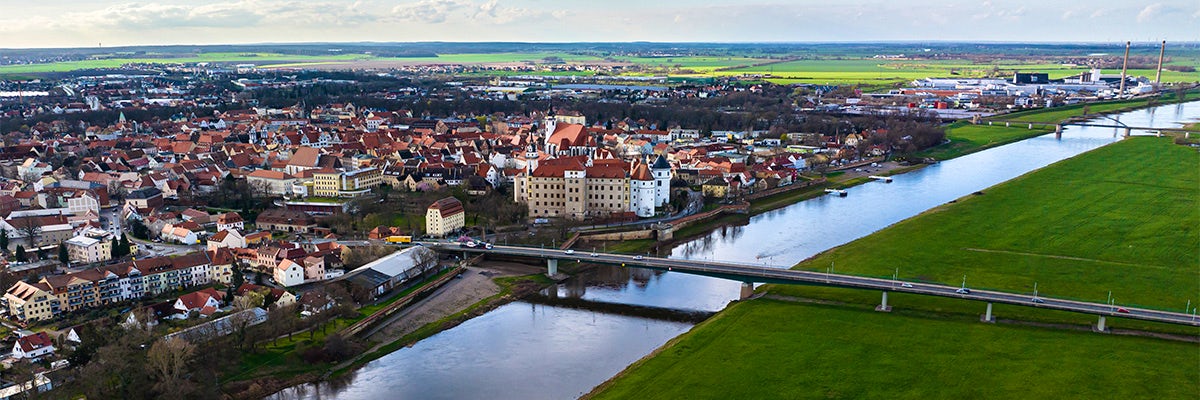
(206,200)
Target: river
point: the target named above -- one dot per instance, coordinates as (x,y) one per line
(526,351)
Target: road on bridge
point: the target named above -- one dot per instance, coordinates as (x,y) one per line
(754,273)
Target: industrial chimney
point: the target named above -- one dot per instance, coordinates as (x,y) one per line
(1161,52)
(1124,65)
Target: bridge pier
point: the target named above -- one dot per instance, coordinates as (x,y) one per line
(1008,124)
(989,123)
(747,290)
(1058,131)
(987,317)
(1128,131)
(883,305)
(1030,126)
(1100,325)
(551,267)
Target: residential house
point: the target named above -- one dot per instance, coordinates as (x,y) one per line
(178,234)
(226,238)
(289,273)
(93,246)
(205,302)
(33,347)
(230,221)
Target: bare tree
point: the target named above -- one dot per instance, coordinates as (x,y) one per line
(30,228)
(247,301)
(167,361)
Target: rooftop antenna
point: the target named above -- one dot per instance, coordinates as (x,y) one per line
(1161,52)
(1124,66)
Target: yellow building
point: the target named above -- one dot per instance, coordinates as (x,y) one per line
(444,216)
(94,245)
(332,183)
(31,301)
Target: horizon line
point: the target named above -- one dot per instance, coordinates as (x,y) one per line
(901,41)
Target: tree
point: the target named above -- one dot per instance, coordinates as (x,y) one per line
(140,230)
(124,245)
(30,228)
(21,254)
(167,362)
(4,240)
(247,301)
(115,249)
(63,256)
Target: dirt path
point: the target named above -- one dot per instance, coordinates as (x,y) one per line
(475,285)
(1021,253)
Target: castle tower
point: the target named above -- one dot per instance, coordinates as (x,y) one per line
(641,184)
(661,170)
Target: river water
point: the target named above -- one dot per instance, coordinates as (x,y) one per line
(526,351)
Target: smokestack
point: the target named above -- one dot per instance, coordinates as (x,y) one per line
(1124,65)
(1161,52)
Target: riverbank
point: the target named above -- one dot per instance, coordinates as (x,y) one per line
(965,138)
(1065,230)
(486,289)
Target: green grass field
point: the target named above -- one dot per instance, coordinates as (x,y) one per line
(1125,218)
(768,349)
(966,138)
(873,71)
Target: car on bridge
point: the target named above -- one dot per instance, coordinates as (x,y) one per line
(963,291)
(906,284)
(569,251)
(637,257)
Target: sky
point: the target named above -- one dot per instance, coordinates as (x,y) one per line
(57,23)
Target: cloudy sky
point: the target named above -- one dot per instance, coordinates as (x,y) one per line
(56,23)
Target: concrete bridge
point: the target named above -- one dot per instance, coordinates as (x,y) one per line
(1058,127)
(751,274)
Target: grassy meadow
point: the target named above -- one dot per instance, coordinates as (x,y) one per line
(1125,218)
(767,348)
(966,138)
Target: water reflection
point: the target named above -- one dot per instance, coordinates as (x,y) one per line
(518,351)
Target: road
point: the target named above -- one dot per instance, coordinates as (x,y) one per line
(755,273)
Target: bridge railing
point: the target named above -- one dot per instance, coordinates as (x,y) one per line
(881,277)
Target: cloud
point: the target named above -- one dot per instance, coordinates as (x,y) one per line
(1150,12)
(428,11)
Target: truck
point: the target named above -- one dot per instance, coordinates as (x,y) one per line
(399,239)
